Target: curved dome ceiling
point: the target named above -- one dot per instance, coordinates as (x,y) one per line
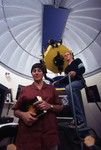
(21,32)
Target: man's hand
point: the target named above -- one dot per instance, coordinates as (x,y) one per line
(72,73)
(43,105)
(28,117)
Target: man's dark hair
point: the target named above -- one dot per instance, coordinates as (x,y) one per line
(38,65)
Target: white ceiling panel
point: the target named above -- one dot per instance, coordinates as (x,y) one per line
(21,32)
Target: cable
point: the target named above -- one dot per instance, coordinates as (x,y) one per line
(98,106)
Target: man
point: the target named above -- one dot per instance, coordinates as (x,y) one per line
(75,69)
(34,132)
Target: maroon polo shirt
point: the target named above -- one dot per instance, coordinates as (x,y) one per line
(43,134)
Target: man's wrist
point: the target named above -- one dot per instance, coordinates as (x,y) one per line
(52,107)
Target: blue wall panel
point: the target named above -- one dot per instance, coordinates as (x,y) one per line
(54,20)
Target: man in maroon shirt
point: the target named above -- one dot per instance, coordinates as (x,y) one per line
(34,132)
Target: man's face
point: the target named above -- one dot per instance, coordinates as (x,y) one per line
(67,56)
(37,74)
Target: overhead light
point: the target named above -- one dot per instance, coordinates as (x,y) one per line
(7,75)
(89,140)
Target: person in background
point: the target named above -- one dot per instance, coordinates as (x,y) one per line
(38,132)
(75,69)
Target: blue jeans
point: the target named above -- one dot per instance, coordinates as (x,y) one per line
(76,87)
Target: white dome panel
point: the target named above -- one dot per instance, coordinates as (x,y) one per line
(21,32)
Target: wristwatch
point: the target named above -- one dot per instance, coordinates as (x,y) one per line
(51,107)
